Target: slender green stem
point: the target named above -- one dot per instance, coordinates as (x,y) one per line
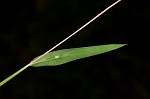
(13,75)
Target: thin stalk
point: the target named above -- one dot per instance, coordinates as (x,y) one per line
(32,62)
(13,75)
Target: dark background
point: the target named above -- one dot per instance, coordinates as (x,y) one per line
(28,28)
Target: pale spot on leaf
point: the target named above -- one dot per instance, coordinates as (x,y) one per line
(56,56)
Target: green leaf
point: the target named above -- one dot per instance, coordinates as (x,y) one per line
(66,55)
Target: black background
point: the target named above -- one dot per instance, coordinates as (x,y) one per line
(28,28)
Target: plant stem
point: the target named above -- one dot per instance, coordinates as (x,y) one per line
(32,62)
(13,75)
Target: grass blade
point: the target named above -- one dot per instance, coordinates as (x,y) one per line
(66,55)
